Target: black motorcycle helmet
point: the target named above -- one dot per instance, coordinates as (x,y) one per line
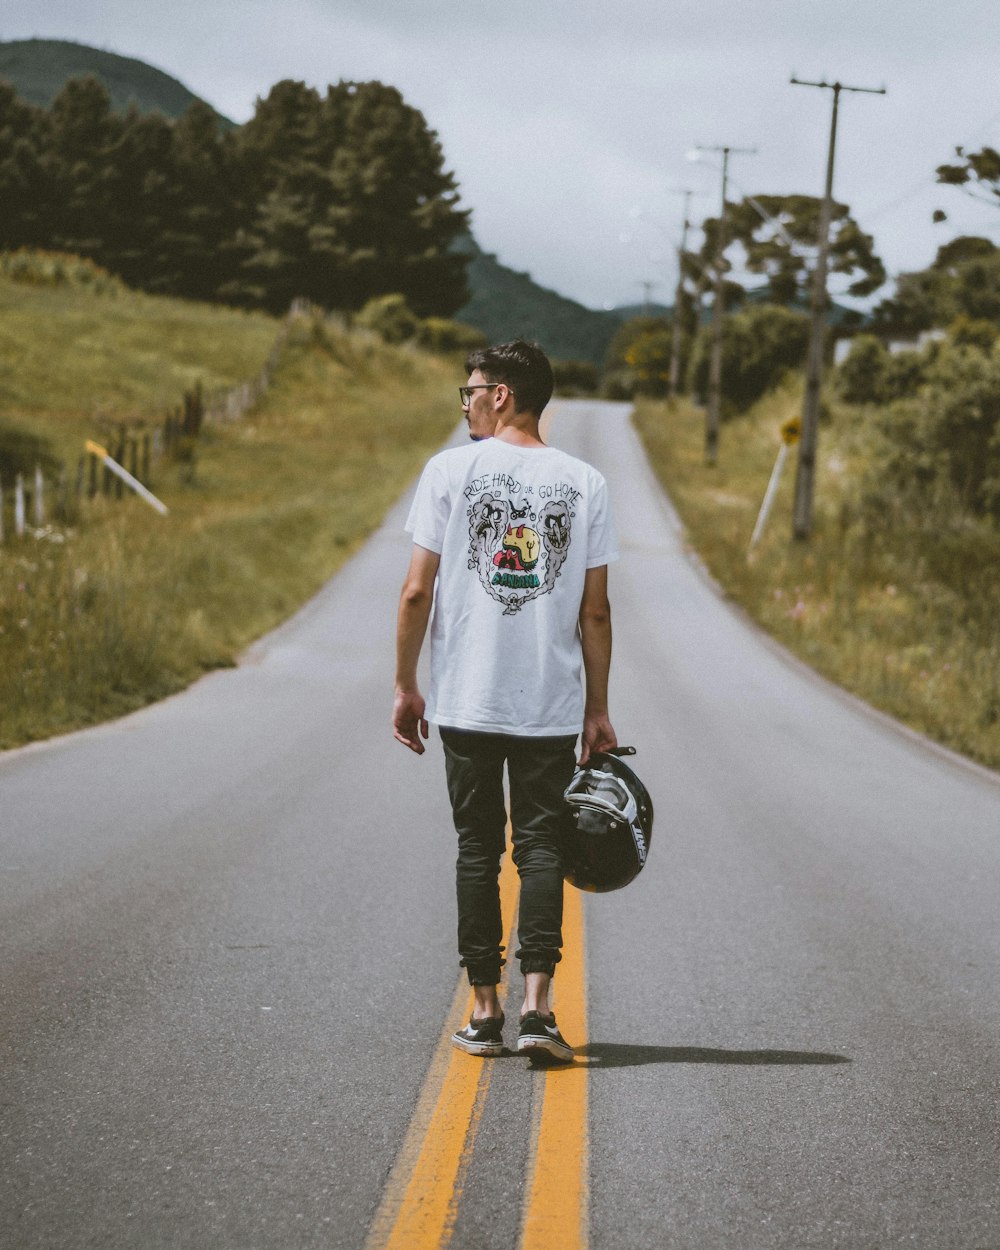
(609,823)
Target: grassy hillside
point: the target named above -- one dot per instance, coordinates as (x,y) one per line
(905,619)
(38,68)
(72,360)
(127,606)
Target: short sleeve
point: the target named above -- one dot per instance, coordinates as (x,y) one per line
(431,508)
(602,542)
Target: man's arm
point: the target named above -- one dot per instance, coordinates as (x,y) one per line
(408,724)
(595,635)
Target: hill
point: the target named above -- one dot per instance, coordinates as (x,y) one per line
(38,68)
(506,304)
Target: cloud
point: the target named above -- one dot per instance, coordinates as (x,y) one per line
(561,117)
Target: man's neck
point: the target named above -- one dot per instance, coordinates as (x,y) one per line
(520,429)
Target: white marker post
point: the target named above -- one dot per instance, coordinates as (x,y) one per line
(789,435)
(103,455)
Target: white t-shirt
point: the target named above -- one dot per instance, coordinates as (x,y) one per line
(516,529)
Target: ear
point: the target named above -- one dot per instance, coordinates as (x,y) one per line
(501,395)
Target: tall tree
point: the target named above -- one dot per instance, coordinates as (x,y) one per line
(396,215)
(349,200)
(82,133)
(285,191)
(138,191)
(25,192)
(775,236)
(206,212)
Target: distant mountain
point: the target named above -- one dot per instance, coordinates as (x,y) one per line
(505,304)
(38,68)
(625,312)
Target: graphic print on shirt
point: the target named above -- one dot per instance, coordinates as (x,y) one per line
(517,542)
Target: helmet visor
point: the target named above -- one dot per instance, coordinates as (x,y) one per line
(592,788)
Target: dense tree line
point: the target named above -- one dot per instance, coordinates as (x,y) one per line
(336,197)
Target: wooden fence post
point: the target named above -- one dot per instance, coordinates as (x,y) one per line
(19,506)
(39,500)
(119,455)
(63,507)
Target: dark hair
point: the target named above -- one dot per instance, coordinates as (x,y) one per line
(521,366)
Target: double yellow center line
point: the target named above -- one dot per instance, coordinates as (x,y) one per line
(422,1198)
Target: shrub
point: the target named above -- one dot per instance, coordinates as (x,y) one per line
(35,268)
(860,377)
(648,357)
(759,346)
(390,318)
(575,377)
(905,373)
(973,332)
(871,374)
(619,384)
(638,359)
(938,454)
(438,334)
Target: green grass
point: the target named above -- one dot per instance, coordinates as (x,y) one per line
(129,606)
(71,360)
(906,619)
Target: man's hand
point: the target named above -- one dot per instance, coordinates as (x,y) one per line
(408,724)
(598,735)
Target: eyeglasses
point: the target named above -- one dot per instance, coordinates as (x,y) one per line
(465,392)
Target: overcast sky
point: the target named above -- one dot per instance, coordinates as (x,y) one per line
(567,122)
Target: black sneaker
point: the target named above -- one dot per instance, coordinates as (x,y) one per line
(481,1037)
(539,1038)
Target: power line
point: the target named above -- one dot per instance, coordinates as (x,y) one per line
(931,180)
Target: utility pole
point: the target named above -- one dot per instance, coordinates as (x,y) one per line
(675,335)
(715,361)
(805,478)
(647,288)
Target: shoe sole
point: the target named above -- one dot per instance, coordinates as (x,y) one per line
(484,1050)
(544,1049)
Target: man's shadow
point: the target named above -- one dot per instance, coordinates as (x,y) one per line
(625,1055)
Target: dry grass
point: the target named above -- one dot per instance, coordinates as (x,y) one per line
(130,606)
(907,620)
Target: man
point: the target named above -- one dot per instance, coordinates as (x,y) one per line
(512,540)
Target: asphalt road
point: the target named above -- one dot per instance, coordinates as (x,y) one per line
(228,949)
